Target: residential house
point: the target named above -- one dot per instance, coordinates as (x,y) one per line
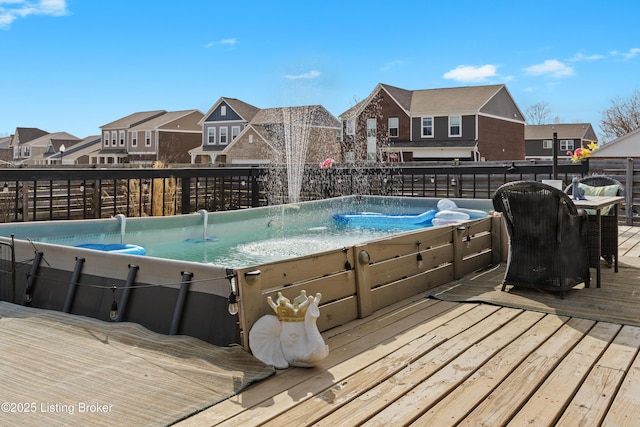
(19,140)
(6,153)
(36,151)
(465,123)
(569,136)
(626,147)
(81,153)
(58,148)
(166,138)
(146,137)
(260,136)
(115,134)
(220,125)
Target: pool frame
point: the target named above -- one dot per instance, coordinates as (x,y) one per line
(183,297)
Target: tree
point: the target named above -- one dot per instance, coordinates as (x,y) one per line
(622,117)
(538,114)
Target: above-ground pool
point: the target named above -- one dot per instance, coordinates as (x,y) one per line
(182,274)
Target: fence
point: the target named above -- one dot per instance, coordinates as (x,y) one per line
(72,193)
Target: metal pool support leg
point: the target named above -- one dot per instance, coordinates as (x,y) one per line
(31,279)
(133,270)
(71,292)
(182,297)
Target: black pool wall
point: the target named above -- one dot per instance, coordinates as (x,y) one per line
(204,315)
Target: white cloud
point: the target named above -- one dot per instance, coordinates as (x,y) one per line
(633,52)
(391,64)
(229,42)
(470,73)
(310,75)
(10,10)
(582,57)
(551,67)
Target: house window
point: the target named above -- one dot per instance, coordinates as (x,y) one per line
(113,138)
(133,137)
(105,138)
(350,157)
(427,127)
(121,138)
(223,135)
(393,127)
(223,110)
(250,139)
(351,127)
(147,138)
(547,144)
(455,126)
(211,136)
(371,128)
(566,144)
(235,131)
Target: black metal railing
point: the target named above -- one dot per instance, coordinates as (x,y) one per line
(81,193)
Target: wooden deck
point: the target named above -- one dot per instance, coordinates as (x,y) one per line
(425,361)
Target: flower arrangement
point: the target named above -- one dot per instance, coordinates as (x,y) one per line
(582,152)
(327,163)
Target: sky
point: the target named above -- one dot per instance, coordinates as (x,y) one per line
(76,65)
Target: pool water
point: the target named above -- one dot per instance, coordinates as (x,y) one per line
(244,249)
(244,238)
(242,243)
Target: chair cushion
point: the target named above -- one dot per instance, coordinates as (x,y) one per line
(604,190)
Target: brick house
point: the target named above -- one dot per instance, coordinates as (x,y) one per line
(465,123)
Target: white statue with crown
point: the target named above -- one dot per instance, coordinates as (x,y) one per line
(291,337)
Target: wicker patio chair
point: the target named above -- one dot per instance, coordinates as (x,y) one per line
(608,222)
(548,246)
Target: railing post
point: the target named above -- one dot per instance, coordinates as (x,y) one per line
(255,188)
(554,167)
(25,202)
(186,195)
(628,202)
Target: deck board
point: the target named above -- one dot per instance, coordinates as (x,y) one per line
(432,389)
(601,386)
(552,397)
(624,410)
(522,383)
(383,397)
(429,362)
(457,404)
(340,372)
(629,241)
